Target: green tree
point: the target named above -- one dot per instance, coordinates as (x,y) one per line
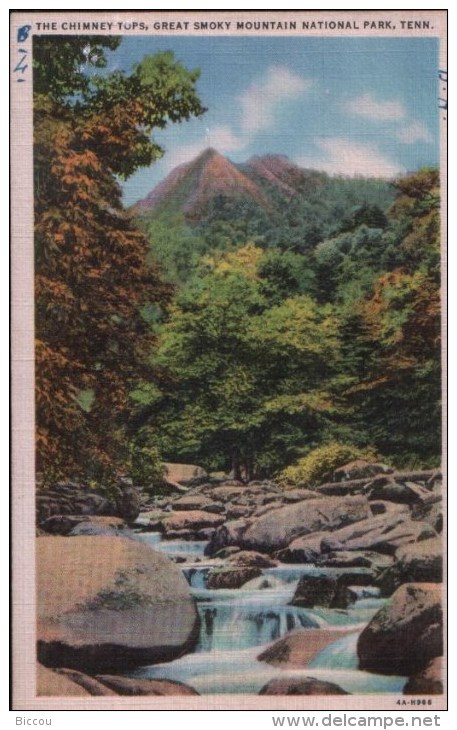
(249,377)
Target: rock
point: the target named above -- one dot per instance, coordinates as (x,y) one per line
(192,521)
(195,502)
(226,492)
(298,648)
(329,590)
(227,552)
(259,511)
(315,590)
(406,633)
(184,473)
(93,528)
(134,687)
(90,684)
(277,529)
(429,681)
(299,495)
(302,550)
(128,504)
(250,558)
(356,559)
(231,577)
(402,493)
(359,469)
(51,683)
(227,535)
(262,582)
(235,511)
(419,562)
(301,686)
(106,603)
(61,524)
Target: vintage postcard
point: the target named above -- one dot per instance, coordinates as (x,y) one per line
(228,247)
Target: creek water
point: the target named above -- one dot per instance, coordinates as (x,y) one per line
(239,624)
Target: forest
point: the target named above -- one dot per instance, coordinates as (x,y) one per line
(242,328)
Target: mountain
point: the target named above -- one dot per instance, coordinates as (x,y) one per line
(192,186)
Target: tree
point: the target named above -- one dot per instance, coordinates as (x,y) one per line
(93,278)
(249,376)
(397,397)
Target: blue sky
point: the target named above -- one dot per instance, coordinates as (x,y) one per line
(352,106)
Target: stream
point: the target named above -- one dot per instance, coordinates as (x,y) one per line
(239,624)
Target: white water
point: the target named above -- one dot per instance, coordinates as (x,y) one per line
(238,624)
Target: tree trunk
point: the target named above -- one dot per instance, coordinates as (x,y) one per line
(236,467)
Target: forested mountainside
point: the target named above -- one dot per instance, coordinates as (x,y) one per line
(306,312)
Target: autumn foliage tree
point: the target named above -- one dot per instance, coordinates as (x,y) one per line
(93,276)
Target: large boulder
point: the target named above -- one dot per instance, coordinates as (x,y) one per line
(406,633)
(429,681)
(298,648)
(418,562)
(301,686)
(106,603)
(275,530)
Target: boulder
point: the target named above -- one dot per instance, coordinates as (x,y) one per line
(406,633)
(429,681)
(192,521)
(302,550)
(105,603)
(359,469)
(418,562)
(135,686)
(231,577)
(195,502)
(250,558)
(298,648)
(329,590)
(52,683)
(301,686)
(227,535)
(275,530)
(235,511)
(184,473)
(128,503)
(401,492)
(315,590)
(356,559)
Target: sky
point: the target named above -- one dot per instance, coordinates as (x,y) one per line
(351,106)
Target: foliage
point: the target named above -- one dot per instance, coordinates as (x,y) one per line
(92,337)
(320,463)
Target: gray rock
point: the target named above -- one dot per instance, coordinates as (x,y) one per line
(277,529)
(105,603)
(406,633)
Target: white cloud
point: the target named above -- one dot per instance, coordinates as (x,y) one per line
(378,111)
(220,137)
(223,139)
(261,100)
(414,132)
(345,157)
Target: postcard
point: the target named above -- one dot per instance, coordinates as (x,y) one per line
(228,267)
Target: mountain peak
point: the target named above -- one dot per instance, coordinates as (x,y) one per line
(192,185)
